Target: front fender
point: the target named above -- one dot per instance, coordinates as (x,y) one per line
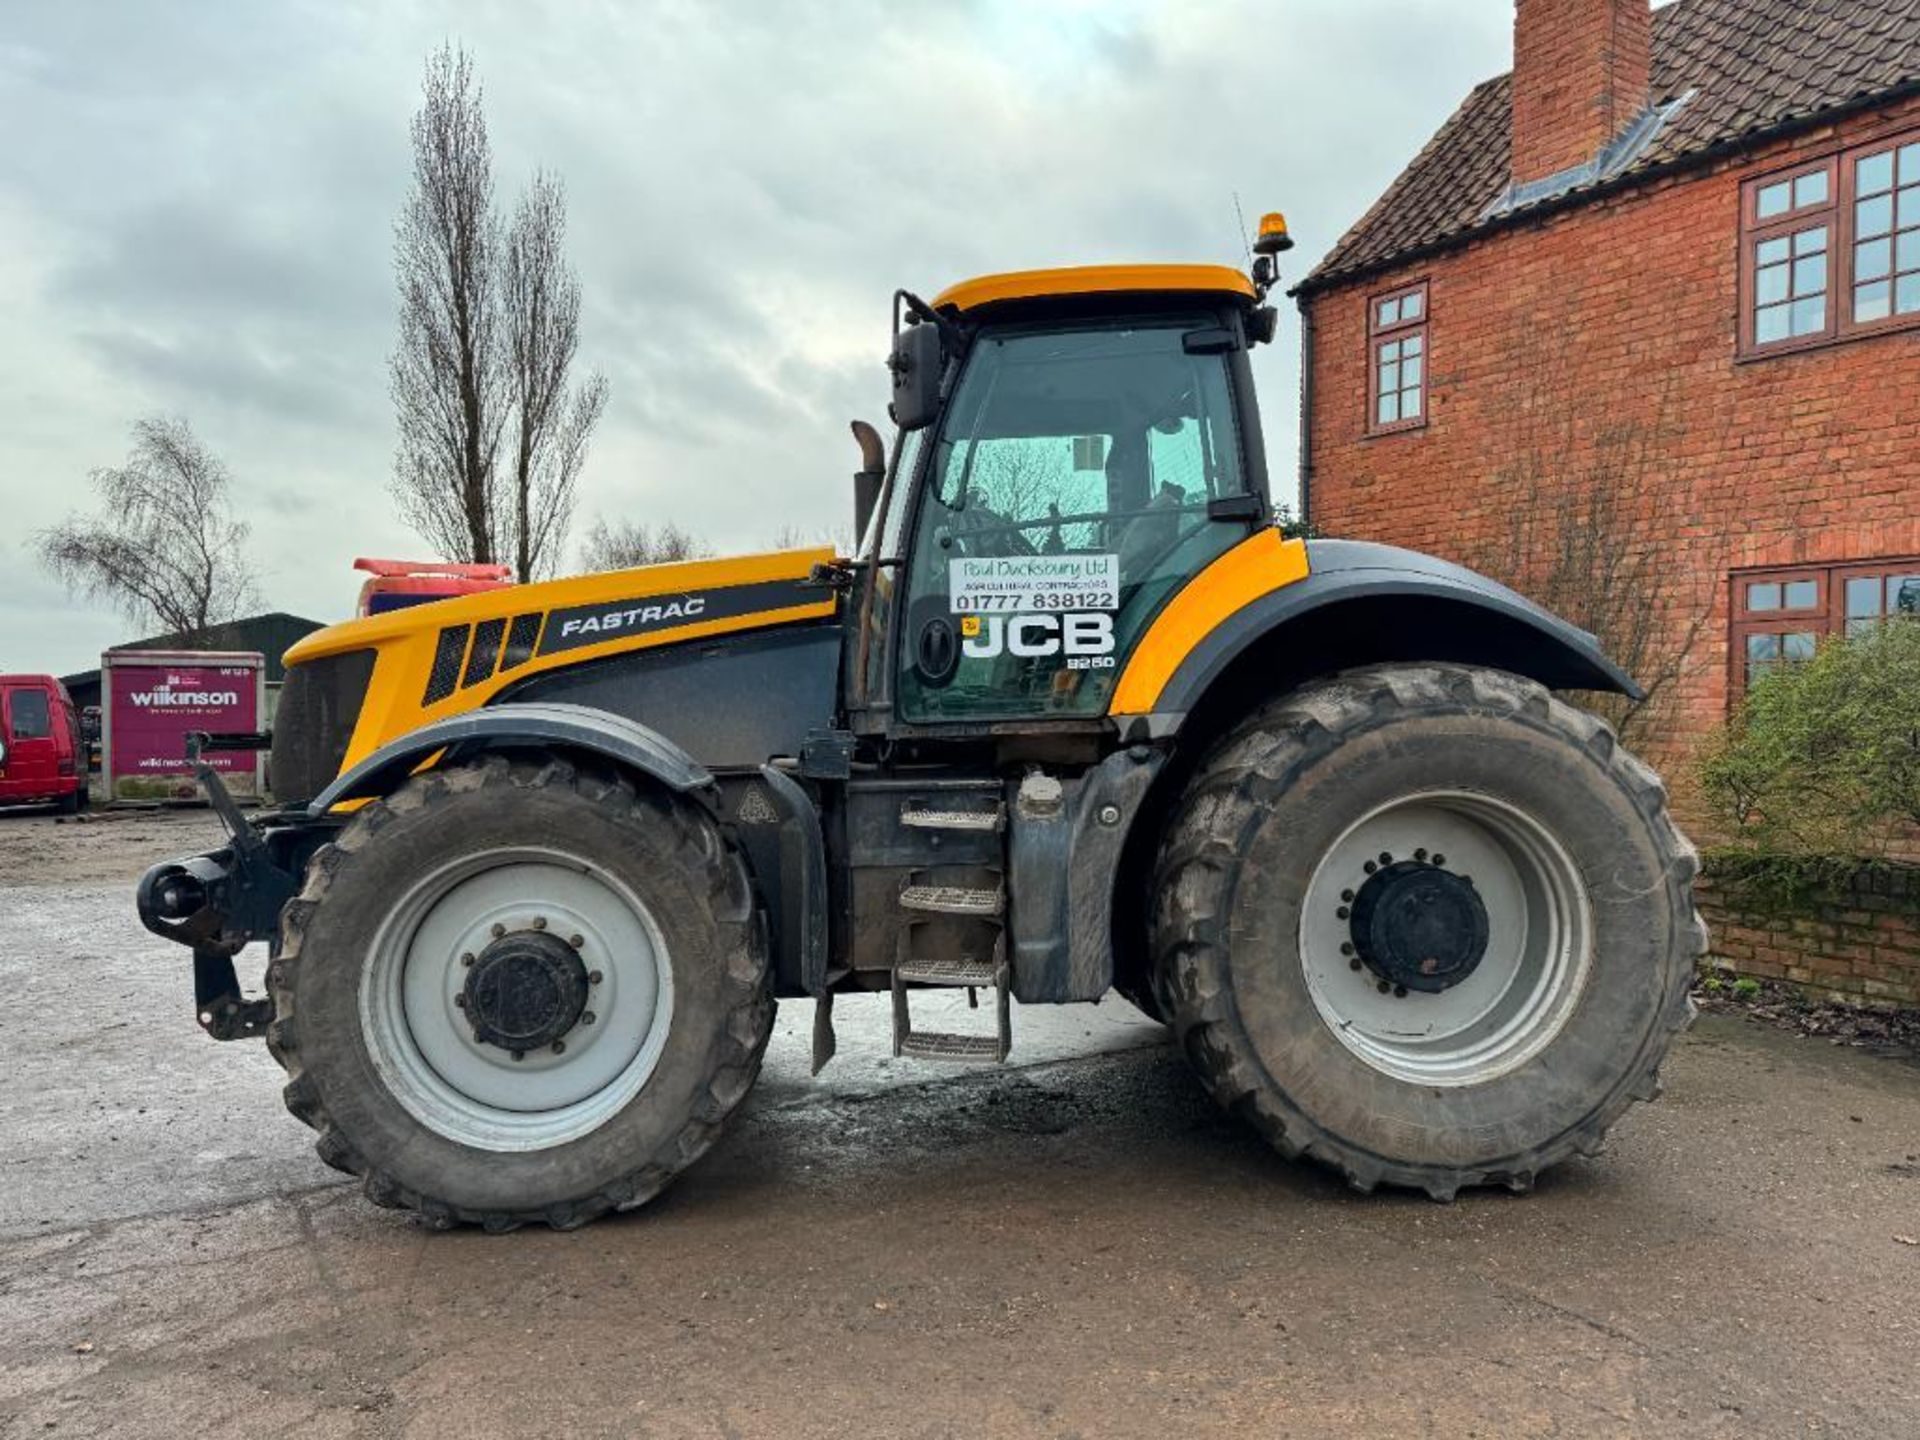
(580,727)
(1360,603)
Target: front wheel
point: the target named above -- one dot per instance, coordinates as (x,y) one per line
(1427,924)
(517,991)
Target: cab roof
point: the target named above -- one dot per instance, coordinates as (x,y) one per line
(1077,280)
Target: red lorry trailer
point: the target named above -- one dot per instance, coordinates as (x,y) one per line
(153,700)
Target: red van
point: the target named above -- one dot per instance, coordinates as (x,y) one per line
(41,750)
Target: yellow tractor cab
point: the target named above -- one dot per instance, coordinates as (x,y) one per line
(1075,717)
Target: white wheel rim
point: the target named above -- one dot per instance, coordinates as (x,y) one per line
(1526,985)
(475,1093)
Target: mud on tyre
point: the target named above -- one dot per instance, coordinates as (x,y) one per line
(521,991)
(1427,924)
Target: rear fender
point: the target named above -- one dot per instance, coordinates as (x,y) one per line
(1357,604)
(1362,603)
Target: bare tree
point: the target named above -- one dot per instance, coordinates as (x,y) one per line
(840,538)
(1589,535)
(634,542)
(164,548)
(552,422)
(489,325)
(448,377)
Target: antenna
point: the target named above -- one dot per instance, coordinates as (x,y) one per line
(1240,224)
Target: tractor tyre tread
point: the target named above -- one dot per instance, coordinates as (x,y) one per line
(1247,770)
(738,1046)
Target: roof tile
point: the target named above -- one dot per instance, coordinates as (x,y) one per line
(1750,65)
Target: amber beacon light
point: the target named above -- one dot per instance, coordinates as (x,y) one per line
(1273,237)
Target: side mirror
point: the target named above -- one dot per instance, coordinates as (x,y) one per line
(916,364)
(867,479)
(3,752)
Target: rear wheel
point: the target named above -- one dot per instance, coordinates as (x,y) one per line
(519,992)
(1427,924)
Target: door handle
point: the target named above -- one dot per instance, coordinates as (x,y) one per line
(937,651)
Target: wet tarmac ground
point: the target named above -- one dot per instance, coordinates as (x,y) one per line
(1078,1244)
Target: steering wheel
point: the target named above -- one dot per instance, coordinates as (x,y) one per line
(1016,528)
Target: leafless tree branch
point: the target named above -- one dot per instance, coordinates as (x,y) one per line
(163,548)
(492,434)
(448,376)
(552,422)
(629,543)
(1590,535)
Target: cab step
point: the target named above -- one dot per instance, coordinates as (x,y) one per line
(945,1045)
(959,1049)
(971,973)
(929,818)
(953,899)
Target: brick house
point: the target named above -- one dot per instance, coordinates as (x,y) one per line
(1648,305)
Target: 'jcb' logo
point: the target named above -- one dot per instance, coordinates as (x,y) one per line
(1034,635)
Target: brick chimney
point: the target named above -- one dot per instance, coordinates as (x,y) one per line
(1580,77)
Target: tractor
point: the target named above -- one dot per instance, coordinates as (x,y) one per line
(1078,716)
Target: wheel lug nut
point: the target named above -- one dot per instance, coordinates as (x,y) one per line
(467,959)
(498,930)
(1346,947)
(539,922)
(1369,867)
(1399,992)
(519,1054)
(1354,964)
(1343,912)
(1439,859)
(576,941)
(460,1000)
(594,977)
(1385,858)
(1420,854)
(559,1047)
(1384,987)
(587,1017)
(1346,895)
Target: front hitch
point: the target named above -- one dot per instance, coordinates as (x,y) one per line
(217,904)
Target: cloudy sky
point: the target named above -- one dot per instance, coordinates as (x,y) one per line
(196,203)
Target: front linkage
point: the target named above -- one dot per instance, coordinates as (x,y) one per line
(220,902)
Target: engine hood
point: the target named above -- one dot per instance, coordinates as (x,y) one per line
(433,661)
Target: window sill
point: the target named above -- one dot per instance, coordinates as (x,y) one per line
(1899,325)
(1387,432)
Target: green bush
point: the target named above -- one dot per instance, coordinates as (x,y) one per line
(1769,883)
(1824,756)
(1295,527)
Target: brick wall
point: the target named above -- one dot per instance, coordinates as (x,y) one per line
(1603,339)
(1857,942)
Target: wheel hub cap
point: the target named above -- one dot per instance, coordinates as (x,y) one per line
(1417,925)
(524,991)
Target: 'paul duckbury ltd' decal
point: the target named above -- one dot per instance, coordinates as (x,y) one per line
(1037,606)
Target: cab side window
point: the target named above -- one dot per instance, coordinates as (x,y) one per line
(1066,499)
(30,717)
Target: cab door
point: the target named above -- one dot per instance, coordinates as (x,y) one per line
(1081,475)
(28,772)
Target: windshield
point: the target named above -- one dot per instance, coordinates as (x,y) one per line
(1067,497)
(1053,433)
